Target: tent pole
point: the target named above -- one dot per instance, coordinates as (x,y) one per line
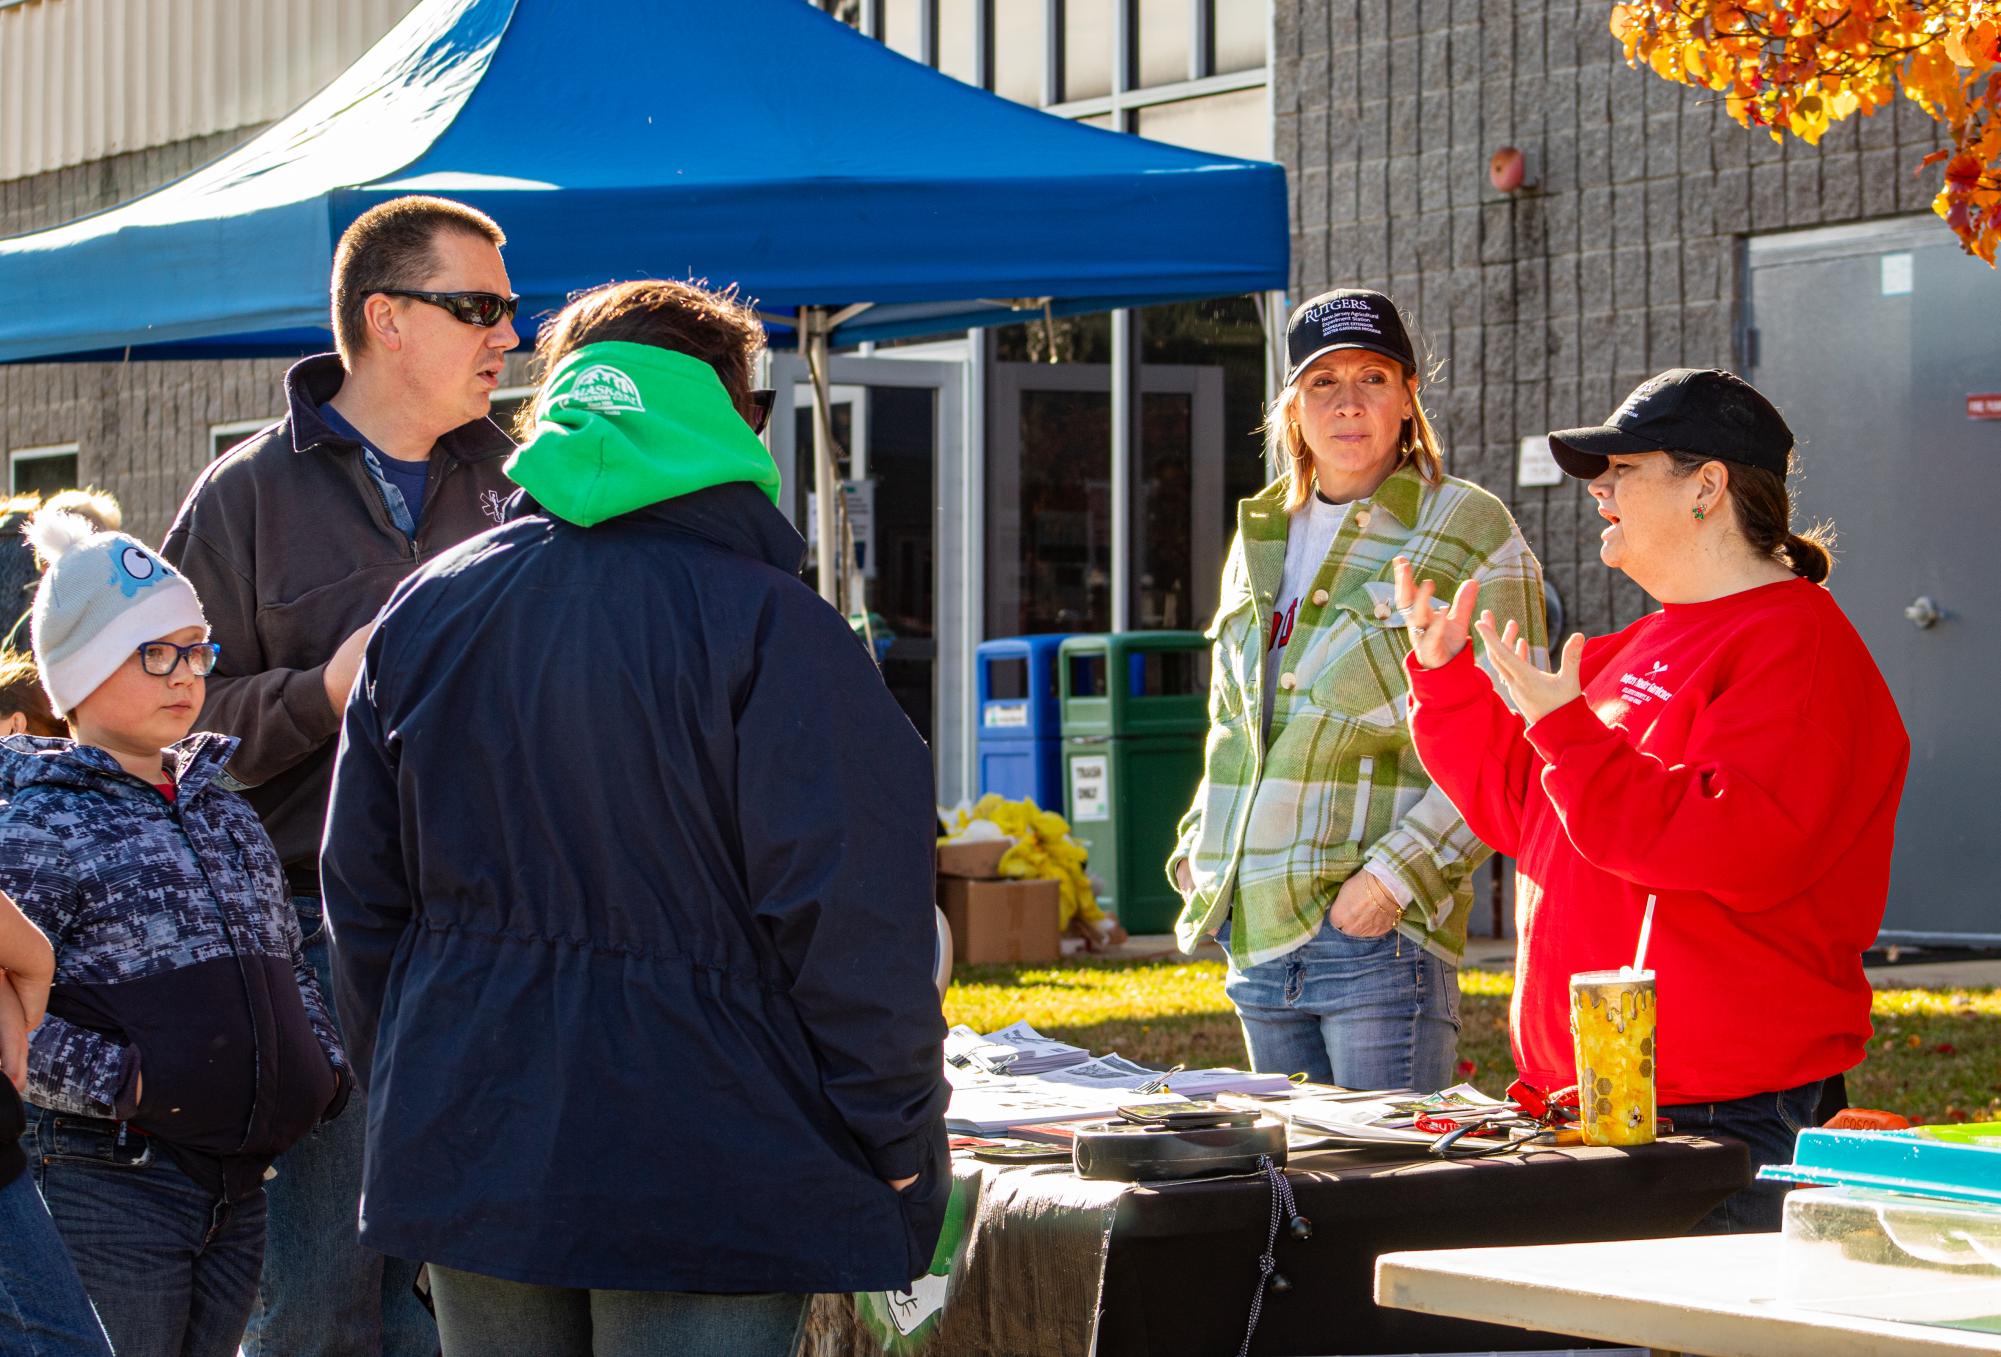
(1271,319)
(1125,436)
(813,343)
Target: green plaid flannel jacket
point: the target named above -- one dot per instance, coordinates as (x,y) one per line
(1277,826)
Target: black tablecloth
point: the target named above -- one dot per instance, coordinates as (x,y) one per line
(1181,1263)
(1041,1260)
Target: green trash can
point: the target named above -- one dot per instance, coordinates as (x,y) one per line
(1135,718)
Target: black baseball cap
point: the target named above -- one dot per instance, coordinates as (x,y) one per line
(1706,411)
(1346,318)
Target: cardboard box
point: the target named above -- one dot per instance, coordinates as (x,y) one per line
(1001,920)
(980,860)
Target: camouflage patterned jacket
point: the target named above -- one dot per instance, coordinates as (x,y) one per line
(177,957)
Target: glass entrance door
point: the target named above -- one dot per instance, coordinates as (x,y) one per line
(1048,502)
(898,429)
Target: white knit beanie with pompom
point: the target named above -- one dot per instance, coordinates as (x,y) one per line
(102,596)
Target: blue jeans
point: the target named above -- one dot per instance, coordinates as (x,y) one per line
(1356,1012)
(171,1267)
(43,1309)
(481,1316)
(1769,1123)
(324,1295)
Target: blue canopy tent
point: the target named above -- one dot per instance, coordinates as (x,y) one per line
(854,194)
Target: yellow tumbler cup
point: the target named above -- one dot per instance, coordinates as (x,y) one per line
(1612,1022)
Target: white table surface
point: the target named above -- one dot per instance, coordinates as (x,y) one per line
(1710,1296)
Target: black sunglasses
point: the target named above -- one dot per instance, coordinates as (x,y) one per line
(760,401)
(484,309)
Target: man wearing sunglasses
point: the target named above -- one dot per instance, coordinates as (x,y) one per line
(294,539)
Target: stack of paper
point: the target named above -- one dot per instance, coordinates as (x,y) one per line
(1209,1083)
(1015,1049)
(1112,1072)
(995,1107)
(1035,1053)
(1017,1076)
(1115,1071)
(1384,1118)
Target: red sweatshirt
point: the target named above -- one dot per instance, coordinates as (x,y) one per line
(1741,759)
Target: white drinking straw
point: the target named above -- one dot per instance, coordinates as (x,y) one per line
(1646,927)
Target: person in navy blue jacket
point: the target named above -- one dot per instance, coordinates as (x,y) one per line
(185,1044)
(629,866)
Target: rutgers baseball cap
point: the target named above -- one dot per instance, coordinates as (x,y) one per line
(1346,318)
(1706,411)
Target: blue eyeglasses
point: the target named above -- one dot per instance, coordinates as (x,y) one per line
(161,658)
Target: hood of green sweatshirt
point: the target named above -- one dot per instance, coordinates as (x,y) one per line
(620,426)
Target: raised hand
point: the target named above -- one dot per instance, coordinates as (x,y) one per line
(1536,692)
(1436,635)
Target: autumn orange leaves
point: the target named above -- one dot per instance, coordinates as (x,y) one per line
(1801,65)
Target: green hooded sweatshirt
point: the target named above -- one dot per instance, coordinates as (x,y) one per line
(620,426)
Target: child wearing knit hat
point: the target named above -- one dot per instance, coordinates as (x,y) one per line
(186,1043)
(108,617)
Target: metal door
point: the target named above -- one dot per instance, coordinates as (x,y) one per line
(1871,339)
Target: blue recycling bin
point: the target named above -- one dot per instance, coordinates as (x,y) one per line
(1021,737)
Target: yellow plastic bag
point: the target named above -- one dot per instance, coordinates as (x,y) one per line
(1043,851)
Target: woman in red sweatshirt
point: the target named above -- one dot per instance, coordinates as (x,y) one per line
(1735,754)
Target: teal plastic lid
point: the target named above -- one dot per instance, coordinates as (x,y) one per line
(1958,1163)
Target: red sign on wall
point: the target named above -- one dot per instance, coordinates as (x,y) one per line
(1985,405)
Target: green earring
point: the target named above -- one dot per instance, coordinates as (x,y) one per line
(1699,515)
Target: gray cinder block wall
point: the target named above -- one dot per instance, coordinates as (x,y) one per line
(1545,307)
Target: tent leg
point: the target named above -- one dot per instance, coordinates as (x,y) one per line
(1271,319)
(813,341)
(1125,438)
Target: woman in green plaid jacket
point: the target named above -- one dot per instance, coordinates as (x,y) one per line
(1317,849)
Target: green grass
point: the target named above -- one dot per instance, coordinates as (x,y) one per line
(1936,1055)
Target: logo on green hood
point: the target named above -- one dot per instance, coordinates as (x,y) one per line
(619,426)
(606,390)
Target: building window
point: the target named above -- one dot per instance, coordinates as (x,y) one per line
(848,12)
(1166,41)
(1021,52)
(1054,569)
(42,471)
(958,39)
(223,437)
(1237,123)
(903,27)
(1240,36)
(1090,32)
(1067,56)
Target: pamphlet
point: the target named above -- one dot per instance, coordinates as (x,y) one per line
(1385,1118)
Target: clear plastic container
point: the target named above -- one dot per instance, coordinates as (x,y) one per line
(1884,1255)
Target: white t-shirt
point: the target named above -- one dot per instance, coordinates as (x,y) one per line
(1307,539)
